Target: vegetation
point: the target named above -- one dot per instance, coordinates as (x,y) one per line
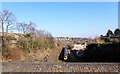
(108,39)
(29,39)
(106,52)
(109,33)
(117,31)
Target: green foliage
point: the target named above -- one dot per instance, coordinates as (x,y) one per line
(117,31)
(102,52)
(27,35)
(48,44)
(99,44)
(28,49)
(109,32)
(45,45)
(35,43)
(108,39)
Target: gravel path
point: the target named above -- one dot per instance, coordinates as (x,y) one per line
(60,67)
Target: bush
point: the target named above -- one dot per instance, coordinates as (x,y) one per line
(103,52)
(108,39)
(27,35)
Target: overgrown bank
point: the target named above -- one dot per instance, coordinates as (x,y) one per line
(106,52)
(31,49)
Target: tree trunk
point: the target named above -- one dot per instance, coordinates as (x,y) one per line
(2,36)
(7,30)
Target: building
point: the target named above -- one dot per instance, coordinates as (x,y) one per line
(79,47)
(62,38)
(74,40)
(111,36)
(14,37)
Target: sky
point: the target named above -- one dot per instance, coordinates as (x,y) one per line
(67,19)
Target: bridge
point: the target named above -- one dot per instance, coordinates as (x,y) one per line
(60,67)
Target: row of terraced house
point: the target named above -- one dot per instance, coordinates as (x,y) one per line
(14,36)
(113,37)
(72,39)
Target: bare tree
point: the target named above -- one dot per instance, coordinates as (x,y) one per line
(23,27)
(7,20)
(26,28)
(2,23)
(32,27)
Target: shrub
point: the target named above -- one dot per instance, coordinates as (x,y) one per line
(103,52)
(108,39)
(27,35)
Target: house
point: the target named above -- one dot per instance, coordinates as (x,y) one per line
(79,47)
(14,37)
(117,37)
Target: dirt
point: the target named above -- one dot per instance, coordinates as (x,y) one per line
(36,56)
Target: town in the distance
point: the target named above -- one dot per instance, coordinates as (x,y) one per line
(35,45)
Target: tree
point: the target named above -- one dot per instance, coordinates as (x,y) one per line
(26,28)
(109,32)
(45,37)
(119,38)
(32,27)
(22,27)
(117,31)
(7,20)
(108,39)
